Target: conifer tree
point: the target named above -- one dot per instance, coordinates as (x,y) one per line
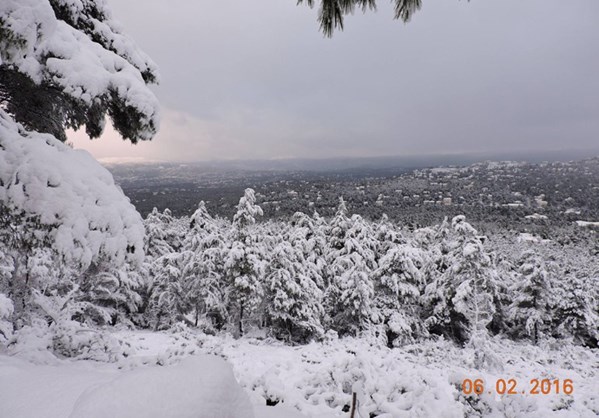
(205,269)
(243,271)
(397,285)
(339,226)
(244,265)
(293,300)
(532,293)
(156,238)
(463,299)
(247,210)
(350,295)
(308,236)
(577,310)
(387,235)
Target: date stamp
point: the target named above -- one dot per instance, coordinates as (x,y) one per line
(513,387)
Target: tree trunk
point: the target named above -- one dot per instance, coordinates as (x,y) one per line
(240,319)
(352,412)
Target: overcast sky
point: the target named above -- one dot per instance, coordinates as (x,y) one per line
(256,79)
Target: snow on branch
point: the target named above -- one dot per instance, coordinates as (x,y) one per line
(75,48)
(88,216)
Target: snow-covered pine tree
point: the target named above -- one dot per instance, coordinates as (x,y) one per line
(387,234)
(247,210)
(577,312)
(462,301)
(435,245)
(349,298)
(156,241)
(243,269)
(109,295)
(169,299)
(293,301)
(202,222)
(398,282)
(204,272)
(308,236)
(338,227)
(532,298)
(64,64)
(162,244)
(23,249)
(244,265)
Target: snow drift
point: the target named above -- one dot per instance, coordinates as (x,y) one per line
(198,387)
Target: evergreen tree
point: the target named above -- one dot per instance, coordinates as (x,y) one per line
(387,236)
(350,295)
(435,243)
(109,295)
(339,226)
(243,269)
(64,64)
(293,300)
(532,293)
(247,210)
(156,241)
(170,295)
(308,236)
(397,286)
(204,271)
(577,312)
(244,265)
(462,301)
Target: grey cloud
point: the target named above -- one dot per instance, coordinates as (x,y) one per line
(261,81)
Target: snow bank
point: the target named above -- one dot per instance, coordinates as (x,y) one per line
(198,387)
(88,215)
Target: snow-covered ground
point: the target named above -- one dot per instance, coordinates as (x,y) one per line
(198,387)
(182,373)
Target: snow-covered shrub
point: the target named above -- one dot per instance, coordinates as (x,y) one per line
(43,343)
(6,310)
(75,340)
(53,330)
